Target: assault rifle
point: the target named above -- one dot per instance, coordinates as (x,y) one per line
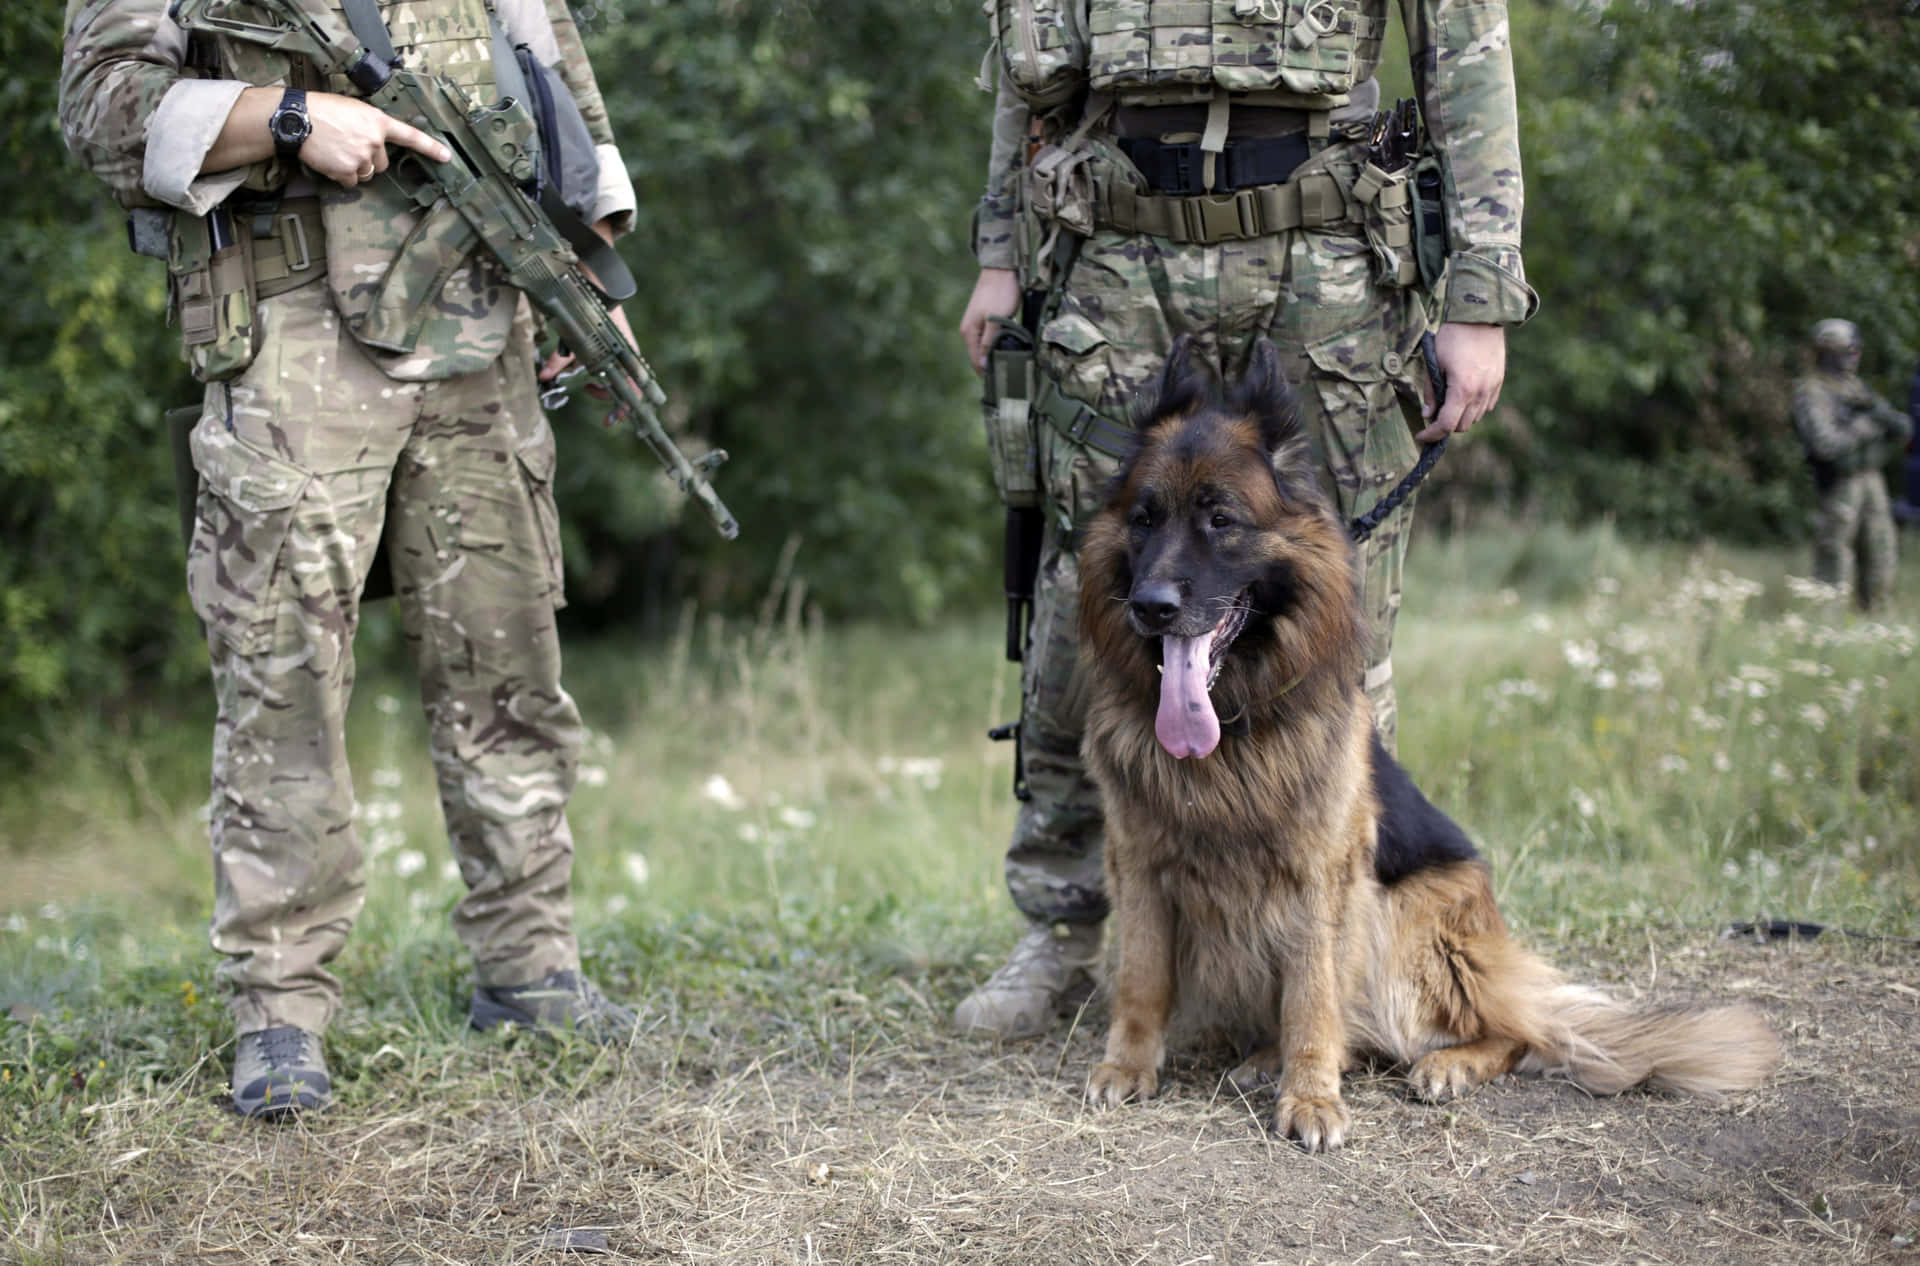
(487,182)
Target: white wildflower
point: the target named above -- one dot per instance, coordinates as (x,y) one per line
(1646,678)
(1672,763)
(797,818)
(1539,622)
(721,792)
(636,866)
(1582,656)
(1605,680)
(1584,803)
(409,862)
(1779,772)
(593,775)
(1814,717)
(388,705)
(617,903)
(1722,764)
(385,776)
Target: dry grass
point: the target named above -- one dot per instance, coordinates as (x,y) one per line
(905,1144)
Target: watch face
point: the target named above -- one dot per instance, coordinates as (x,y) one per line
(290,126)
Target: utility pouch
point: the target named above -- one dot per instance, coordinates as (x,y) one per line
(1011,385)
(1429,222)
(436,248)
(1386,201)
(210,271)
(1060,187)
(1043,47)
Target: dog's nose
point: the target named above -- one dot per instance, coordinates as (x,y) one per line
(1155,604)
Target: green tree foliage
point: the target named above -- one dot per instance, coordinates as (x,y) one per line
(805,176)
(91,593)
(1704,181)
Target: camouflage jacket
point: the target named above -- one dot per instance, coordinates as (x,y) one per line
(143,123)
(1463,71)
(1843,424)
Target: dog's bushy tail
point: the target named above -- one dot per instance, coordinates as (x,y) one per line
(1606,1046)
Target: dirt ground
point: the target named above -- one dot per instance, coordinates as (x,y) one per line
(918,1147)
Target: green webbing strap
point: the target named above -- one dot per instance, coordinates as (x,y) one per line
(1081,424)
(1310,201)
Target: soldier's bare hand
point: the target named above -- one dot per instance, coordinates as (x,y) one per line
(995,294)
(350,139)
(1474,359)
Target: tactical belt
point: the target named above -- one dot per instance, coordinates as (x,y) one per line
(1311,201)
(1175,167)
(292,249)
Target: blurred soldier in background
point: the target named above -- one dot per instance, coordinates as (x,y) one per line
(1221,170)
(1849,434)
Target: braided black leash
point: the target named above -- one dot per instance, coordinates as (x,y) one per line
(1361,528)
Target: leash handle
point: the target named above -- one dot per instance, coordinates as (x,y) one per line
(1361,528)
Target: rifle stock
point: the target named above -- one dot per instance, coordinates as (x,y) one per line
(492,162)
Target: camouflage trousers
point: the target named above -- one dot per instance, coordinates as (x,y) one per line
(1854,544)
(312,452)
(1351,350)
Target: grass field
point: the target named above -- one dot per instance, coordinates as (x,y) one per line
(789,861)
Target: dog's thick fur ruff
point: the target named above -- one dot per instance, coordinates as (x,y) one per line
(1287,881)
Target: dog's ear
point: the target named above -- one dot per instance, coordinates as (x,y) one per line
(1262,394)
(1183,385)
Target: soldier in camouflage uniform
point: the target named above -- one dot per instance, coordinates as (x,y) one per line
(312,443)
(1849,434)
(1209,160)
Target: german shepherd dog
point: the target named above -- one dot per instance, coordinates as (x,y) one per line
(1285,882)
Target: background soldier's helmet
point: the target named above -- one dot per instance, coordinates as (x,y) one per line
(1835,335)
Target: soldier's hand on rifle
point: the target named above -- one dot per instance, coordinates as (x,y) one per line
(348,144)
(350,139)
(1474,359)
(995,294)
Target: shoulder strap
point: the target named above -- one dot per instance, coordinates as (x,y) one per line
(364,17)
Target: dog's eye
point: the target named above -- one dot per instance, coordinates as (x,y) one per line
(1140,518)
(1221,521)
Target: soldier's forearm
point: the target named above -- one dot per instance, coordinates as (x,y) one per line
(244,139)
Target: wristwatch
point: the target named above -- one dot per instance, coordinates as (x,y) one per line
(289,125)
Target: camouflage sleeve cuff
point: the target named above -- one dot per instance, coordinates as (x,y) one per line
(182,130)
(617,198)
(993,242)
(1489,289)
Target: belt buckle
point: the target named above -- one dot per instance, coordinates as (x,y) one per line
(1213,219)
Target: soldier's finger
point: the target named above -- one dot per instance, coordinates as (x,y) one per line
(414,139)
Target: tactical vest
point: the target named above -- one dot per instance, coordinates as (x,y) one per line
(1307,54)
(433,312)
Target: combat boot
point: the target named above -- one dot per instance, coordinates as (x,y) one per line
(279,1070)
(559,1002)
(1049,971)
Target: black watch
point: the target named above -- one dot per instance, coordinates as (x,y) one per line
(289,125)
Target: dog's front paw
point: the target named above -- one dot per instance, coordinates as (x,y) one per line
(1113,1084)
(1320,1124)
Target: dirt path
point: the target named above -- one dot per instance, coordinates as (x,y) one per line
(913,1147)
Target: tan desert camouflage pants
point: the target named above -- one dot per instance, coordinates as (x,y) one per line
(316,450)
(1351,350)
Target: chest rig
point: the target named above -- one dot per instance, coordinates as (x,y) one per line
(421,300)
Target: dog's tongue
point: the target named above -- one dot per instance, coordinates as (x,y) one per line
(1187,724)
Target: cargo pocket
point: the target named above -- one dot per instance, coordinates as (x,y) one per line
(537,458)
(1358,378)
(243,516)
(1075,357)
